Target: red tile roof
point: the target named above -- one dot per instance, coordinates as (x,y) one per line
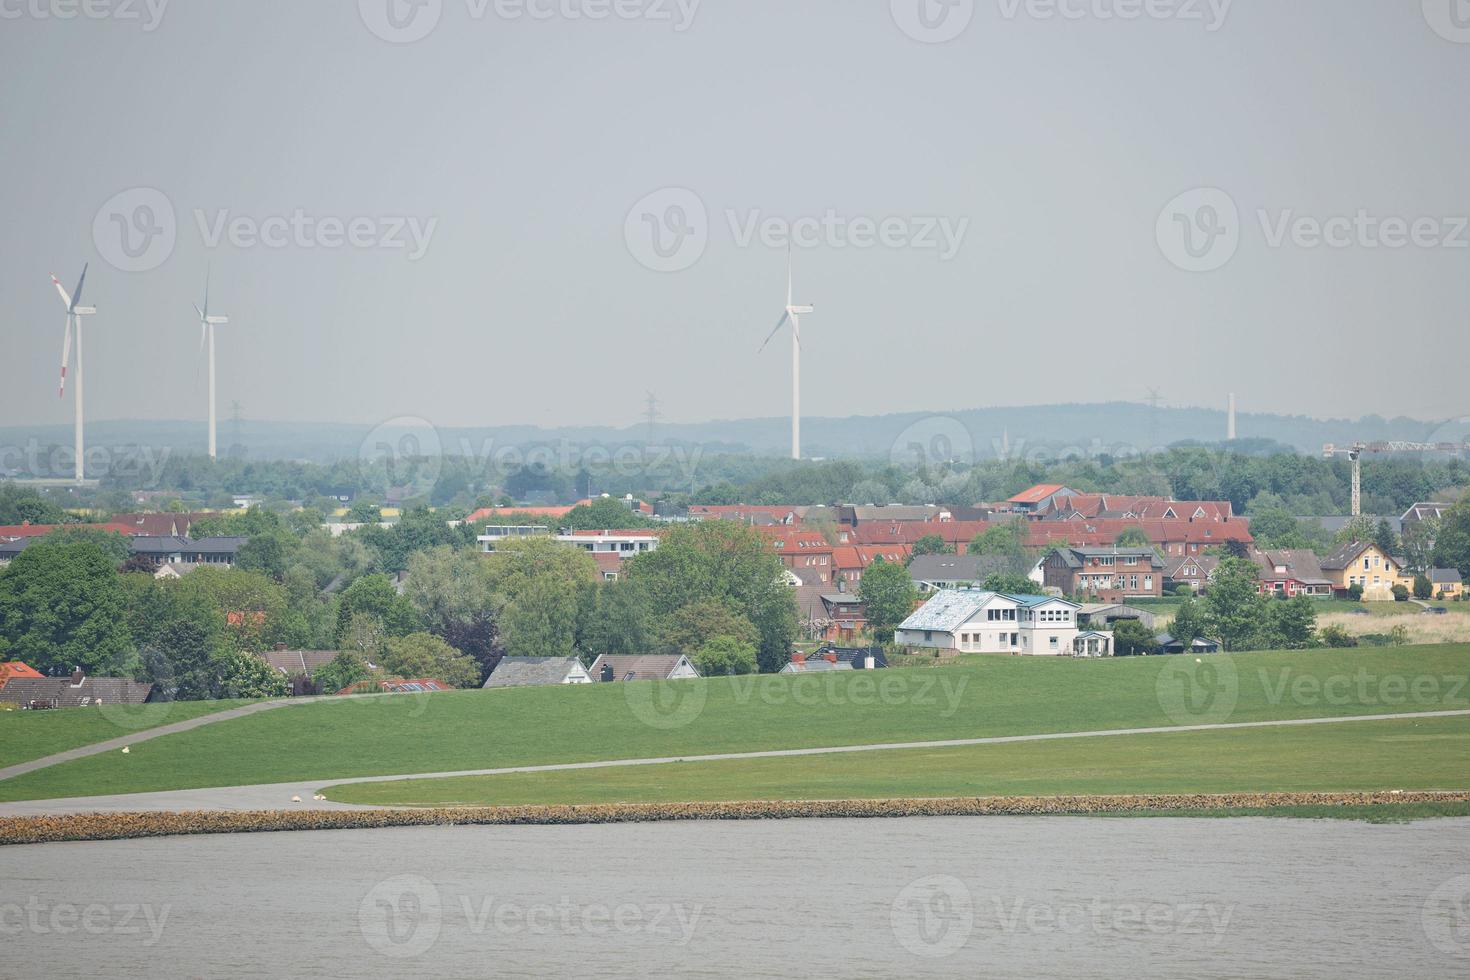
(1036,494)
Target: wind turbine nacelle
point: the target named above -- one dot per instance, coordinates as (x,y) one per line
(801,310)
(217,319)
(84,310)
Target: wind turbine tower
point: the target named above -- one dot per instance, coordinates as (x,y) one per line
(793,313)
(74,313)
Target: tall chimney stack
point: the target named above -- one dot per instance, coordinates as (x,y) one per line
(1230,425)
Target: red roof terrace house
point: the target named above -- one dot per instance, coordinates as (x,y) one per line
(1108,574)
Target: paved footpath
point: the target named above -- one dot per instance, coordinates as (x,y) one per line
(278,796)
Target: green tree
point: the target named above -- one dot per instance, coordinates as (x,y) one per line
(1010,583)
(376,596)
(425,656)
(1191,621)
(341,672)
(61,606)
(722,655)
(888,595)
(1236,608)
(266,553)
(541,593)
(1290,625)
(726,561)
(930,544)
(1133,639)
(1006,541)
(1423,587)
(606,514)
(23,505)
(1452,544)
(1133,537)
(688,628)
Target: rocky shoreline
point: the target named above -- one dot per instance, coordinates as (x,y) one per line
(122,826)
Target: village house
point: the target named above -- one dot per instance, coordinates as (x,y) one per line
(1363,563)
(1193,571)
(76,691)
(537,672)
(935,573)
(671,667)
(1292,572)
(976,621)
(1447,583)
(1108,574)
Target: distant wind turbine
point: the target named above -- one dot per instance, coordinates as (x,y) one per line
(794,314)
(207,324)
(74,312)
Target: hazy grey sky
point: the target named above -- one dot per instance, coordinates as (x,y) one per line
(1053,134)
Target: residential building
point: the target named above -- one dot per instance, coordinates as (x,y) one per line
(496,534)
(76,691)
(1039,497)
(162,524)
(1447,583)
(15,669)
(976,621)
(641,668)
(397,685)
(861,658)
(816,663)
(1102,615)
(624,544)
(845,615)
(935,573)
(538,672)
(298,663)
(1191,570)
(172,550)
(1292,572)
(1108,574)
(1364,563)
(1167,644)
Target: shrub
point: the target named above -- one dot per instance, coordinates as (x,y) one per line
(1337,637)
(1355,592)
(1423,588)
(1400,593)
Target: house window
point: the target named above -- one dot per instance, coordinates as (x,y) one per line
(1053,642)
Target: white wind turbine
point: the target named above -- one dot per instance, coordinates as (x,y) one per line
(207,324)
(793,313)
(74,311)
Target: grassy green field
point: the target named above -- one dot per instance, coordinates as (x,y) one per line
(27,735)
(465,730)
(1380,755)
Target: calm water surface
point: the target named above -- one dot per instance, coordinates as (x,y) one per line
(880,898)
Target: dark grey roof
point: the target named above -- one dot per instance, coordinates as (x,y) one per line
(298,663)
(531,671)
(9,549)
(61,692)
(218,546)
(956,568)
(1444,576)
(147,544)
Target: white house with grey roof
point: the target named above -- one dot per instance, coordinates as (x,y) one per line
(538,672)
(975,621)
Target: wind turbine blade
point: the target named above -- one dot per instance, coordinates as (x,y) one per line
(62,290)
(796,328)
(207,270)
(65,356)
(788,274)
(76,296)
(779,324)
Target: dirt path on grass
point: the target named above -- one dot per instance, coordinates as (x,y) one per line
(275,796)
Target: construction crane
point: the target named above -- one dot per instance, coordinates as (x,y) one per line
(1356,450)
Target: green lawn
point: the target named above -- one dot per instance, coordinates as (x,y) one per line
(1000,696)
(1376,755)
(27,735)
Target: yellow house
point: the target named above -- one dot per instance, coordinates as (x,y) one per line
(1364,563)
(1447,583)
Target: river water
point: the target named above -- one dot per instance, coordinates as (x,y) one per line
(881,898)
